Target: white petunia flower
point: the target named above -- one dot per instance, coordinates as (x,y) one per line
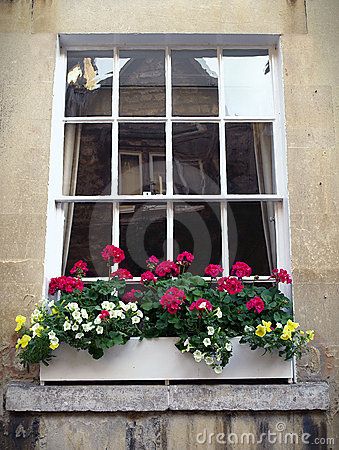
(279,325)
(218,369)
(113,314)
(51,303)
(99,329)
(124,306)
(88,327)
(248,329)
(67,325)
(51,335)
(206,342)
(197,355)
(208,360)
(84,313)
(187,342)
(218,313)
(140,313)
(115,293)
(133,306)
(210,331)
(97,321)
(79,335)
(135,319)
(75,327)
(120,314)
(36,315)
(106,305)
(228,346)
(73,306)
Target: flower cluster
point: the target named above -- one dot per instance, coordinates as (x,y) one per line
(172,300)
(281,276)
(167,269)
(122,274)
(152,262)
(230,284)
(213,270)
(201,305)
(147,278)
(113,254)
(79,269)
(65,284)
(256,303)
(130,296)
(241,269)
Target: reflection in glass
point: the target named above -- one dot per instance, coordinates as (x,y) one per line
(87,159)
(142,160)
(247,83)
(142,83)
(195,83)
(142,234)
(196,158)
(251,235)
(88,229)
(89,83)
(197,229)
(249,153)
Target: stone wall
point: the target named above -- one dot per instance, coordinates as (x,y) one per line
(27,48)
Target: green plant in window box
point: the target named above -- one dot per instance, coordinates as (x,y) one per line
(203,312)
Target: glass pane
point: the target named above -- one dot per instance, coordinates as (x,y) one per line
(88,229)
(196,158)
(87,159)
(251,235)
(142,234)
(142,83)
(249,153)
(197,229)
(89,83)
(195,83)
(142,158)
(247,83)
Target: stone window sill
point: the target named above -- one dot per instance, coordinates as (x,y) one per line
(22,396)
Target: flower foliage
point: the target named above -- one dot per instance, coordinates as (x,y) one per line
(204,313)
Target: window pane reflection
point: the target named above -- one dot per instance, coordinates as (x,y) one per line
(142,83)
(89,83)
(196,158)
(247,83)
(249,150)
(195,83)
(87,159)
(251,235)
(197,229)
(142,159)
(142,234)
(88,229)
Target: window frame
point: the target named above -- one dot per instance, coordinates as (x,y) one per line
(56,200)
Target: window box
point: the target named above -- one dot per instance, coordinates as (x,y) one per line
(159,360)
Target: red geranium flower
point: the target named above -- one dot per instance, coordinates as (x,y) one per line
(80,268)
(230,284)
(213,270)
(172,300)
(241,269)
(148,277)
(122,274)
(110,252)
(281,276)
(65,284)
(256,303)
(167,268)
(104,314)
(152,262)
(130,296)
(185,257)
(201,304)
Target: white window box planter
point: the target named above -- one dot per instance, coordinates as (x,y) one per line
(159,360)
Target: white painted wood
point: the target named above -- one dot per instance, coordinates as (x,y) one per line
(159,360)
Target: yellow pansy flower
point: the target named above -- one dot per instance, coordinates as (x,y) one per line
(291,326)
(54,311)
(302,333)
(310,335)
(20,320)
(286,334)
(260,330)
(267,325)
(54,345)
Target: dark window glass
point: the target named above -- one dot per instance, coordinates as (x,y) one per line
(251,235)
(197,230)
(142,234)
(249,152)
(88,229)
(195,83)
(89,83)
(142,158)
(142,83)
(87,159)
(196,158)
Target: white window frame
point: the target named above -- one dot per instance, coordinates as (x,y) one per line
(56,200)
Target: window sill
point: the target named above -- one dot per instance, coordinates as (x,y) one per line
(22,396)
